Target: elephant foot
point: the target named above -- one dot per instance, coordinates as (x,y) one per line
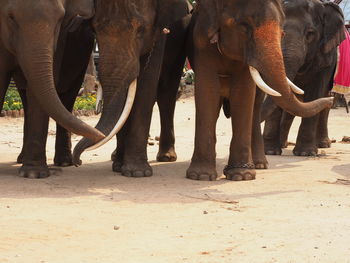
(34,172)
(261,165)
(324,143)
(140,169)
(117,166)
(114,156)
(305,151)
(20,157)
(273,150)
(167,156)
(285,145)
(201,172)
(63,160)
(245,172)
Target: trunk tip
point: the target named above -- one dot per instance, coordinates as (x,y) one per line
(329,102)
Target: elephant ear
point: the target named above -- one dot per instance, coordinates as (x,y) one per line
(334,29)
(167,14)
(213,8)
(83,8)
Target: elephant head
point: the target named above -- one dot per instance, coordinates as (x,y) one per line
(127,32)
(30,30)
(312,29)
(251,32)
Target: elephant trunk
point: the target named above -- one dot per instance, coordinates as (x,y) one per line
(118,75)
(268,42)
(36,60)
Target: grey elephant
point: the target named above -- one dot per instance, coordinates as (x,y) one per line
(142,47)
(313,29)
(46,45)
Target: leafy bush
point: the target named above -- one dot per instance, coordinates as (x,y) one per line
(85,102)
(12,100)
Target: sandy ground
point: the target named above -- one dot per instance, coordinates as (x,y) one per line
(297,211)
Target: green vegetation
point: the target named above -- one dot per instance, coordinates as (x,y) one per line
(85,102)
(12,100)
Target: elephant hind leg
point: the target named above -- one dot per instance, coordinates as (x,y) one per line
(323,140)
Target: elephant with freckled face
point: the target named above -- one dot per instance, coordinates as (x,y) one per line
(313,30)
(141,45)
(233,41)
(46,45)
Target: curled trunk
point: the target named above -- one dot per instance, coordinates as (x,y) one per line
(272,68)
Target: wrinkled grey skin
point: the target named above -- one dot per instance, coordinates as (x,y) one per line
(132,45)
(43,45)
(313,30)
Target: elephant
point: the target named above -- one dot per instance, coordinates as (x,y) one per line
(44,46)
(236,47)
(313,30)
(143,40)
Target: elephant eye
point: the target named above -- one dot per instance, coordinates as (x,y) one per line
(12,19)
(310,35)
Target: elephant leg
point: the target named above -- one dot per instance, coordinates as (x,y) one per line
(174,60)
(34,154)
(118,154)
(166,100)
(306,140)
(271,133)
(21,87)
(135,162)
(63,145)
(323,140)
(258,151)
(208,105)
(306,144)
(286,123)
(75,60)
(240,165)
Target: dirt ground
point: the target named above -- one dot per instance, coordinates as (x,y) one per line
(297,211)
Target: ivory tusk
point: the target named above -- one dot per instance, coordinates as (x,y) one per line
(99,100)
(295,88)
(261,84)
(123,117)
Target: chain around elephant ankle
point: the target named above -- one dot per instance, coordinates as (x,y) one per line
(235,166)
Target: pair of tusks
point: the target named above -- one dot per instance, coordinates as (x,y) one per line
(123,117)
(264,87)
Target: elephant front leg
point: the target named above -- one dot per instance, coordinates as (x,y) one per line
(135,161)
(34,154)
(63,145)
(208,104)
(258,152)
(118,154)
(240,166)
(323,140)
(271,133)
(306,140)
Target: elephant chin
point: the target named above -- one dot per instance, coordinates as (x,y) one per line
(87,145)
